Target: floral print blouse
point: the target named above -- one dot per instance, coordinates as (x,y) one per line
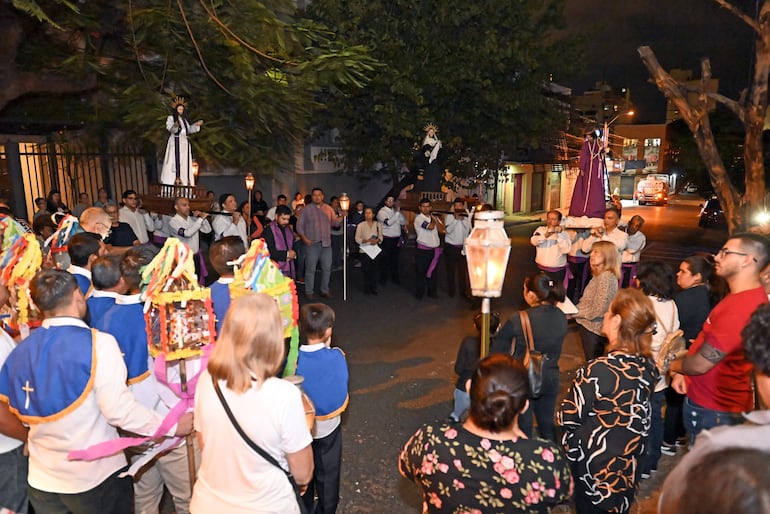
(606,421)
(462,473)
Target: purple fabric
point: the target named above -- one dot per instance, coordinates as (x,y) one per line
(204,270)
(588,197)
(631,269)
(586,268)
(434,262)
(283,243)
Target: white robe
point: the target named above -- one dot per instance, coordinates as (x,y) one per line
(168,172)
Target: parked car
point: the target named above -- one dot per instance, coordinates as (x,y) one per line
(691,188)
(711,214)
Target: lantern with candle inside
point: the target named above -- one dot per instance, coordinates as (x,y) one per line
(487,249)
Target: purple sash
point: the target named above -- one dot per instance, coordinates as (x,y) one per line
(283,244)
(630,268)
(436,254)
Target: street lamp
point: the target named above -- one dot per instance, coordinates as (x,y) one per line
(344,205)
(487,249)
(249,186)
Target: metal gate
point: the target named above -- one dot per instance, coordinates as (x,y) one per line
(34,168)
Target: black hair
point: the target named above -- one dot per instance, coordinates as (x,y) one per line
(133,261)
(105,272)
(225,250)
(282,196)
(424,200)
(703,263)
(613,209)
(82,246)
(499,390)
(545,288)
(282,210)
(755,346)
(656,278)
(316,189)
(50,289)
(223,198)
(315,319)
(127,193)
(39,223)
(757,244)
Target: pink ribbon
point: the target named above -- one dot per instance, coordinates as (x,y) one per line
(186,401)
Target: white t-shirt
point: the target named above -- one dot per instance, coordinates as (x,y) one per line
(426,236)
(7,344)
(233,478)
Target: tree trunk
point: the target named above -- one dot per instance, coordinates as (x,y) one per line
(697,120)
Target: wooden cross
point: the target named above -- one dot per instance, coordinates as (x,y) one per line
(27,390)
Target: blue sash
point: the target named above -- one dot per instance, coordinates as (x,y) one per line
(83,283)
(50,373)
(125,322)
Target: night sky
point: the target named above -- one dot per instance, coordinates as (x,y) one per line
(680,32)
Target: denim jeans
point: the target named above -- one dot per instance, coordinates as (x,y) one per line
(697,418)
(656,432)
(462,404)
(13,480)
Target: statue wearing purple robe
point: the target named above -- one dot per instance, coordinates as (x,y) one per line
(588,197)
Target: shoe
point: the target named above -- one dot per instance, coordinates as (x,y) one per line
(645,474)
(326,295)
(683,442)
(310,296)
(668,449)
(356,264)
(451,420)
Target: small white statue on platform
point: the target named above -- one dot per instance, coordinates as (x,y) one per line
(177,164)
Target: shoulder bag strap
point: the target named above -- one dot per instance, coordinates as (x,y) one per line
(254,446)
(526,328)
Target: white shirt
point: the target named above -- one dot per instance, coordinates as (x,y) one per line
(140,223)
(187,230)
(577,237)
(426,236)
(616,237)
(224,226)
(667,318)
(457,229)
(233,478)
(7,344)
(391,221)
(551,251)
(109,404)
(634,247)
(79,270)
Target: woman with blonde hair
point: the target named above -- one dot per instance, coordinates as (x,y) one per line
(605,274)
(606,414)
(233,478)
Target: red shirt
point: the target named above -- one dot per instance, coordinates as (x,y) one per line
(727,386)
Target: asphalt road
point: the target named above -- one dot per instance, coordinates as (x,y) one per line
(401,354)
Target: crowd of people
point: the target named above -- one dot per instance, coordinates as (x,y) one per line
(633,400)
(86,373)
(501,450)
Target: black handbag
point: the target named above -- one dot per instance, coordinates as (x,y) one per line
(254,446)
(534,360)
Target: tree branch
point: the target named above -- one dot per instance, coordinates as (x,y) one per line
(751,22)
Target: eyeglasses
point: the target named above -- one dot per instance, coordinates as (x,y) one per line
(726,251)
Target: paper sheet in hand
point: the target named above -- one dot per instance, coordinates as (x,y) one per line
(373,251)
(567,307)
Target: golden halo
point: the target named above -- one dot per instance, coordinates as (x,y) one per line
(430,126)
(177,101)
